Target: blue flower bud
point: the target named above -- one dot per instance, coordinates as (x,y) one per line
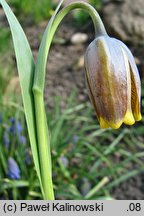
(12,126)
(6,139)
(22,139)
(64,161)
(18,127)
(13,169)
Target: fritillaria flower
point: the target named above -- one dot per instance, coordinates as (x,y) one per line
(113,82)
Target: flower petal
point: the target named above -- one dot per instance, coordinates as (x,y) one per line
(135,96)
(103,123)
(135,84)
(128,118)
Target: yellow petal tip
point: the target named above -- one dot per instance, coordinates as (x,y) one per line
(115,125)
(103,123)
(137,116)
(129,118)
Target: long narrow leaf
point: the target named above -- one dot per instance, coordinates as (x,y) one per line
(26,66)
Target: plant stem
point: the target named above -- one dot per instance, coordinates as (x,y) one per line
(44,146)
(38,88)
(39,79)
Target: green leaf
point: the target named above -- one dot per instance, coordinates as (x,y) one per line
(26,66)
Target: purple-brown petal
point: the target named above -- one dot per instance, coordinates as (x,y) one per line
(135,84)
(107,79)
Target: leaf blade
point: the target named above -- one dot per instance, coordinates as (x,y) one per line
(26,67)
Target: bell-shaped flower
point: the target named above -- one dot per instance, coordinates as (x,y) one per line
(113,82)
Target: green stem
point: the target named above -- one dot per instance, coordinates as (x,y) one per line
(43,146)
(38,88)
(39,79)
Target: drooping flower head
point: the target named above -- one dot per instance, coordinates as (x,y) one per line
(113,82)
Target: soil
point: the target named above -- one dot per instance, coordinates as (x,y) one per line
(65,72)
(131,189)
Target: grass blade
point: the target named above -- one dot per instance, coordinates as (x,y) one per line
(94,190)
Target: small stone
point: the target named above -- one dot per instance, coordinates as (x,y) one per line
(80,63)
(79,38)
(137,61)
